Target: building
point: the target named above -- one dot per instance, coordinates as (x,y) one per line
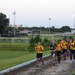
(25,31)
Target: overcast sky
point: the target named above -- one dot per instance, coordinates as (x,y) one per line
(37,12)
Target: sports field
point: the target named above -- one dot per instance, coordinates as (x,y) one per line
(13,54)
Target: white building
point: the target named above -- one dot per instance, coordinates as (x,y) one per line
(26,31)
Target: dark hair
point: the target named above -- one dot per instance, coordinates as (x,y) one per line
(58,41)
(72,40)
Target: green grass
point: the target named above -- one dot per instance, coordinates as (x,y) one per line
(12,58)
(13,47)
(73,73)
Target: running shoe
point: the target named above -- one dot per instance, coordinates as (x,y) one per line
(42,63)
(64,58)
(37,65)
(53,63)
(71,61)
(59,61)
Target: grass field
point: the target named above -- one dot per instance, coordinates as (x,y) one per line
(13,54)
(13,47)
(73,73)
(11,58)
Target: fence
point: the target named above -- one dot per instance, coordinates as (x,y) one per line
(26,40)
(14,40)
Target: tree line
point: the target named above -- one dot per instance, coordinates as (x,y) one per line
(5,29)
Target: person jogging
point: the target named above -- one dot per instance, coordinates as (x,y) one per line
(64,48)
(58,50)
(72,50)
(39,49)
(68,48)
(53,51)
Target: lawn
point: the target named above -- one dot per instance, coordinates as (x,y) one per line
(12,58)
(73,73)
(13,47)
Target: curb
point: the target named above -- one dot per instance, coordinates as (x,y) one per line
(20,66)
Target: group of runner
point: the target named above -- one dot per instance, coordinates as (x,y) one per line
(60,49)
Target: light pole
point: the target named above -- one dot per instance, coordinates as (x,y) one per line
(14,22)
(74,22)
(49,25)
(9,23)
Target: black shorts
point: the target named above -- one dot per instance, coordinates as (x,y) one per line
(53,53)
(58,53)
(64,51)
(39,55)
(72,51)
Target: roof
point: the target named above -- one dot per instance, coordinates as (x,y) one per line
(25,31)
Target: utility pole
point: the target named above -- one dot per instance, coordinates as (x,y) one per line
(49,25)
(14,22)
(74,22)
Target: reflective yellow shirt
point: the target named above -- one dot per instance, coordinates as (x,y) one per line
(39,48)
(72,46)
(64,45)
(58,48)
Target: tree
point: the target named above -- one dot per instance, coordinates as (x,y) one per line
(4,23)
(32,45)
(65,29)
(46,43)
(37,38)
(53,27)
(33,42)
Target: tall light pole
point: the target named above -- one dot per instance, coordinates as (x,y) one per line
(9,22)
(49,25)
(74,22)
(14,22)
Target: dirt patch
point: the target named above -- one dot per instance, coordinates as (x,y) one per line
(62,68)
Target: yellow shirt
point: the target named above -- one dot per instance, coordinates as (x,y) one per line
(39,48)
(58,48)
(72,45)
(64,45)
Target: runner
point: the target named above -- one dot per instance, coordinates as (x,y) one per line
(53,51)
(64,48)
(72,49)
(39,49)
(68,47)
(58,50)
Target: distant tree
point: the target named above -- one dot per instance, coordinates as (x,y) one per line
(42,28)
(4,22)
(53,27)
(65,29)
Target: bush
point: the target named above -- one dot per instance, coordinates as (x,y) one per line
(31,47)
(33,42)
(37,38)
(46,43)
